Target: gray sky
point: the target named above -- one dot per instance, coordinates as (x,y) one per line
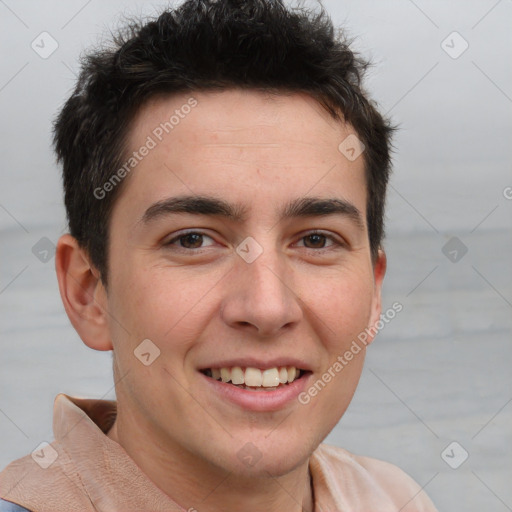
(453,157)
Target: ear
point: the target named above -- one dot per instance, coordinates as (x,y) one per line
(379,271)
(83,294)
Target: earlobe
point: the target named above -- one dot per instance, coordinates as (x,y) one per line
(82,293)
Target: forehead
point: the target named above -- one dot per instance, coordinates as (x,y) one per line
(245,139)
(237,115)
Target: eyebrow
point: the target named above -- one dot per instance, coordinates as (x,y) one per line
(209,205)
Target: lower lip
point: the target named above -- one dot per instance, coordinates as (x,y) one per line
(260,401)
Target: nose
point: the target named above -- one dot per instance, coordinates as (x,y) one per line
(261,298)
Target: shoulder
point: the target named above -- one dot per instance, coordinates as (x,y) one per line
(7,506)
(40,486)
(340,469)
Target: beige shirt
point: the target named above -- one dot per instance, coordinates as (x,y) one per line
(87,471)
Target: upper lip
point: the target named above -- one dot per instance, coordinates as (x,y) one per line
(262,364)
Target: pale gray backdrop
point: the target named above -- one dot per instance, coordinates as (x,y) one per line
(439,373)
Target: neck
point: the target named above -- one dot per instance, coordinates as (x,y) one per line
(196,484)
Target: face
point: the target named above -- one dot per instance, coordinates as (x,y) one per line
(255,276)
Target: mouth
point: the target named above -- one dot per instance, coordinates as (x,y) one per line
(255,379)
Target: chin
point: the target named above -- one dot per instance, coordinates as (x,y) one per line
(262,456)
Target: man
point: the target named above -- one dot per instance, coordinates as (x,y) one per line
(225,180)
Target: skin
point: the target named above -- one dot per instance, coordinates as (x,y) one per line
(198,307)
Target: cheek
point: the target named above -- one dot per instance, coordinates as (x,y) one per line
(344,306)
(345,312)
(163,304)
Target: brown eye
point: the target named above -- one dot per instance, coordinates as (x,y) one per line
(191,240)
(320,242)
(317,241)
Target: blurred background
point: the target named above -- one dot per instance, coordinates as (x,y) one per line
(435,397)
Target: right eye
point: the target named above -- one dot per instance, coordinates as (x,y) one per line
(192,240)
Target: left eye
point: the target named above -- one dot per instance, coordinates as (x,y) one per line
(318,240)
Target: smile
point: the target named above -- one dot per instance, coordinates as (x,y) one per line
(254,378)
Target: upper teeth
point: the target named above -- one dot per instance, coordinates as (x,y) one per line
(255,377)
